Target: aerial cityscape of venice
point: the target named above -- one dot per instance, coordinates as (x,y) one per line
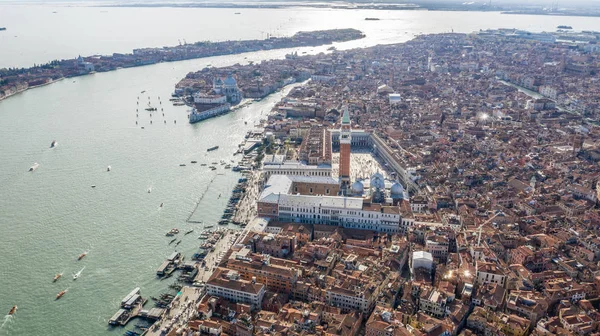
(387,168)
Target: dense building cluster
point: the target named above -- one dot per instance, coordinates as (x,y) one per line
(485,222)
(16,80)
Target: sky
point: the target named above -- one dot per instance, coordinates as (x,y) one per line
(560,3)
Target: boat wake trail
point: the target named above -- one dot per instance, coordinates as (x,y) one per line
(8,320)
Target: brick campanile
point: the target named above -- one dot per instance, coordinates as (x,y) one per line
(345,142)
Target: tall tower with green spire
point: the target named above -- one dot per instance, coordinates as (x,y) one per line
(345,142)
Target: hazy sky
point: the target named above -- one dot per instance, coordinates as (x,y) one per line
(556,3)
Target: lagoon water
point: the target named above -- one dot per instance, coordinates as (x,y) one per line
(49,216)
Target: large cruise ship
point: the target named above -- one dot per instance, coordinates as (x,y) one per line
(203,114)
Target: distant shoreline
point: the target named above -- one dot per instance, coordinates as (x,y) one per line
(350,6)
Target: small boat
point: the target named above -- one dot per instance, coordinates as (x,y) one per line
(161,204)
(149,190)
(108,168)
(182,165)
(194,161)
(34,167)
(59,295)
(81,256)
(189,231)
(172,241)
(208,226)
(172,232)
(13,310)
(53,144)
(56,277)
(93,186)
(143,91)
(179,242)
(78,274)
(212,148)
(237,13)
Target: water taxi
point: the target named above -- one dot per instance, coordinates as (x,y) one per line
(59,295)
(81,256)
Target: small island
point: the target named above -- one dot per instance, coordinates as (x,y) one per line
(15,80)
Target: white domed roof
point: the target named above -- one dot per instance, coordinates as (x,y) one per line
(377,181)
(230,81)
(397,189)
(357,187)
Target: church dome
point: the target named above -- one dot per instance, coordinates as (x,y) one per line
(230,81)
(377,181)
(397,189)
(357,187)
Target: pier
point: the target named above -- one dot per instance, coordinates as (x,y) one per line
(132,306)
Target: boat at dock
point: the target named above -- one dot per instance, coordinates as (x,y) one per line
(78,274)
(34,167)
(81,256)
(212,148)
(56,277)
(53,144)
(13,310)
(61,294)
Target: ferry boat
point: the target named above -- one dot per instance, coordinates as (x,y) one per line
(59,295)
(34,167)
(13,310)
(212,149)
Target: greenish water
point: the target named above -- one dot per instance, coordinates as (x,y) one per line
(51,215)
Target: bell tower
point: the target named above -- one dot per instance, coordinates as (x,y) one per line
(345,142)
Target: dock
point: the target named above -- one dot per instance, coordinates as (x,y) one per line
(132,306)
